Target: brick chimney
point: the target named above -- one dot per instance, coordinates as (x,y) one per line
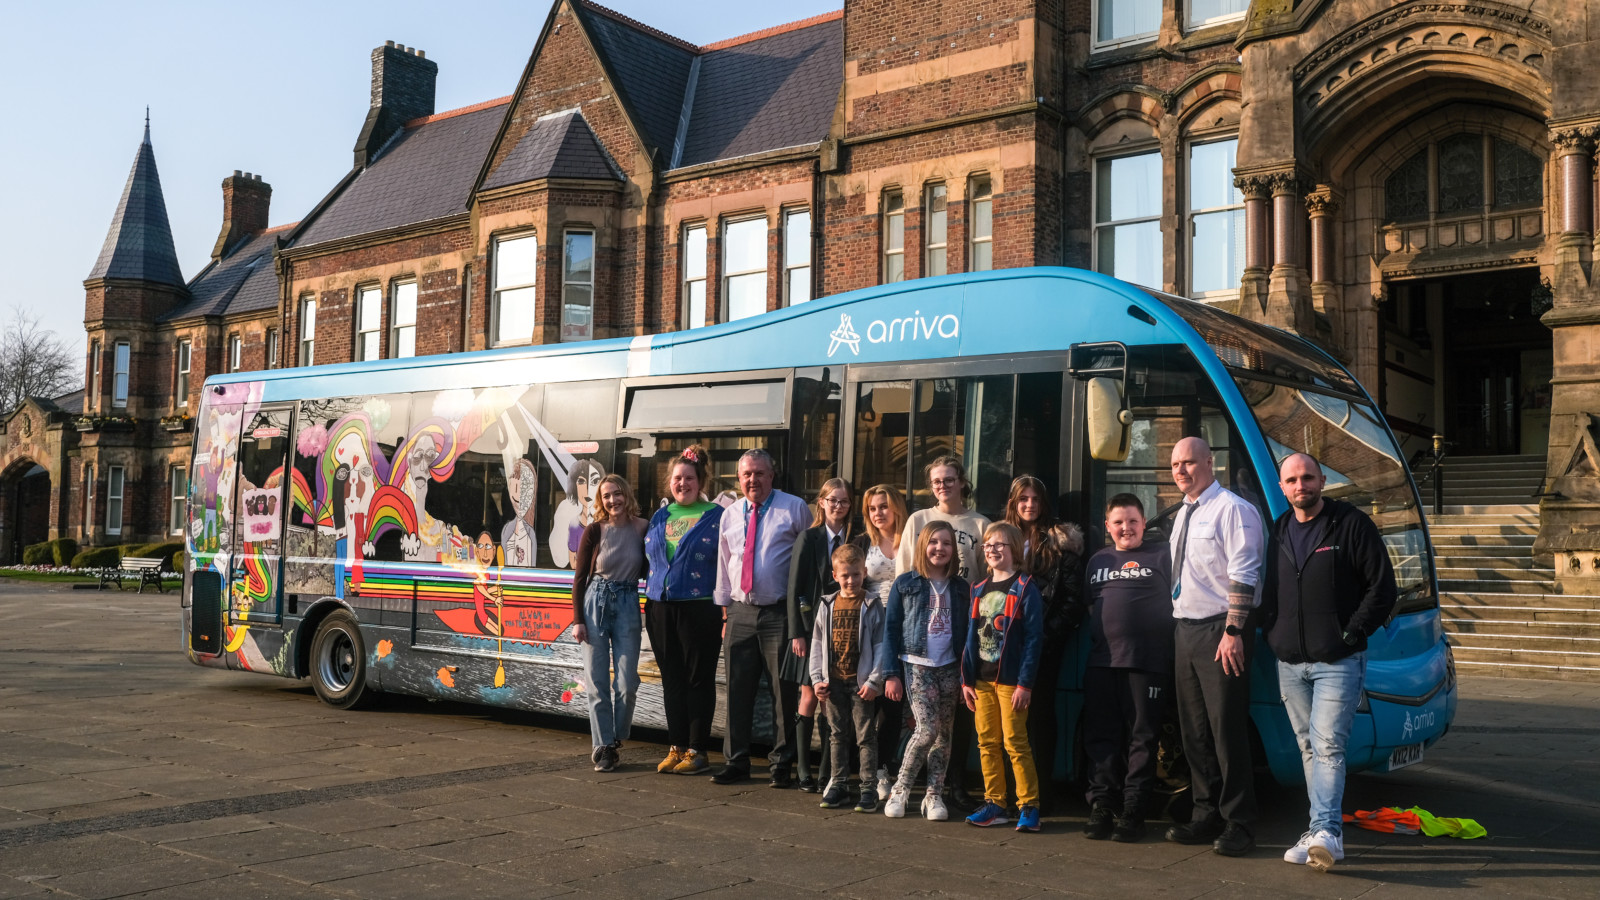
(245,198)
(402,89)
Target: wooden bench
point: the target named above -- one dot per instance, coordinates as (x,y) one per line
(146,569)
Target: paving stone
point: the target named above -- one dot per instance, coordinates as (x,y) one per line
(669,843)
(343,817)
(184,831)
(564,823)
(425,833)
(804,867)
(266,845)
(443,879)
(920,882)
(483,808)
(244,886)
(58,793)
(79,854)
(662,881)
(560,865)
(339,864)
(145,875)
(490,848)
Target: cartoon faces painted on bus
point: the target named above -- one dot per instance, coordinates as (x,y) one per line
(429,541)
(518,538)
(575,511)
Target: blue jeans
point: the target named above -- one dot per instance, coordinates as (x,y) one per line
(612,618)
(1321,701)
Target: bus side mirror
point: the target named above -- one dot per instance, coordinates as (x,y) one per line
(1108,422)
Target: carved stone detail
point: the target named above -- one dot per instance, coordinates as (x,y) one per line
(1322,203)
(1494,30)
(1254,187)
(1577,139)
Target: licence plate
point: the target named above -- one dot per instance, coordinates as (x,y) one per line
(1409,755)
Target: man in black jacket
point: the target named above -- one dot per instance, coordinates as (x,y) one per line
(1330,585)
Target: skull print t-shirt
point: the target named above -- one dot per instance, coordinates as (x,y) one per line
(991,607)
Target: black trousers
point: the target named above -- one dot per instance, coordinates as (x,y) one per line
(1122,713)
(757,636)
(1214,714)
(686,637)
(891,723)
(1044,723)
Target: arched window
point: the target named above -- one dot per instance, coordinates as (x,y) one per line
(1460,174)
(1518,176)
(1405,193)
(1465,165)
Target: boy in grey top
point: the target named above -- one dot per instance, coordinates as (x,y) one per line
(847,644)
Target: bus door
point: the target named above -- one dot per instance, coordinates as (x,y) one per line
(255,581)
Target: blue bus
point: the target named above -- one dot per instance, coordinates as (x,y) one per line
(408,525)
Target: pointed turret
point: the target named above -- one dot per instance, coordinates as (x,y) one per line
(139,244)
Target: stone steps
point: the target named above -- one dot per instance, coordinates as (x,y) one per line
(1494,599)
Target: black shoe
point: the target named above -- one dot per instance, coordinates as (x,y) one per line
(1129,830)
(730,775)
(781,778)
(868,802)
(809,785)
(963,802)
(1195,832)
(1100,823)
(836,797)
(1236,840)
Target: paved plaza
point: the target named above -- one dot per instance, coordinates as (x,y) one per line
(125,771)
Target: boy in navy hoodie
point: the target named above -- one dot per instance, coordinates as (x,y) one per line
(1128,681)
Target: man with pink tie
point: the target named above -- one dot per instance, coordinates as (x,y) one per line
(758,535)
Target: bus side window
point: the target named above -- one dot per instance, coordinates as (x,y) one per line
(582,416)
(814,430)
(883,434)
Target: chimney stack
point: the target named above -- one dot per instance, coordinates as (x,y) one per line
(402,89)
(245,199)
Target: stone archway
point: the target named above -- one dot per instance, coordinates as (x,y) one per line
(25,497)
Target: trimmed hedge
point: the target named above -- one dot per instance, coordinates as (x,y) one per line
(177,561)
(62,550)
(38,555)
(97,558)
(163,551)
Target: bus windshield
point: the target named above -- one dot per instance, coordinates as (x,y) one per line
(1304,402)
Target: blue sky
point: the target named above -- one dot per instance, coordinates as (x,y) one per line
(280,90)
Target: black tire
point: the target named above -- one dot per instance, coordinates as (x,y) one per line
(339,663)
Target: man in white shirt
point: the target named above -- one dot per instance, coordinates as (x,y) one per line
(1217,550)
(754,550)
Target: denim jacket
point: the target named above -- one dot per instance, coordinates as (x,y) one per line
(907,629)
(1021,625)
(692,573)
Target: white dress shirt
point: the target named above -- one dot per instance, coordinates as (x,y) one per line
(1225,545)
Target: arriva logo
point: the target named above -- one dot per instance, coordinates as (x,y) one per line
(1415,724)
(915,327)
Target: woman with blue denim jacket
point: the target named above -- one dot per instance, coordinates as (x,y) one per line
(925,631)
(605,613)
(682,619)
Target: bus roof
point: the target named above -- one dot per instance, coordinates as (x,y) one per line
(949,317)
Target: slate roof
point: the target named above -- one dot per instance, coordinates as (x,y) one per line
(243,281)
(766,94)
(139,242)
(558,146)
(424,172)
(651,70)
(71,404)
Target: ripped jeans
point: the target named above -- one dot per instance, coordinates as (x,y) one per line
(1321,701)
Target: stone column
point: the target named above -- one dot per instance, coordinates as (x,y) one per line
(1323,205)
(1573,148)
(1257,259)
(1288,297)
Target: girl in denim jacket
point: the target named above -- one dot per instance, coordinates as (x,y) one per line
(925,632)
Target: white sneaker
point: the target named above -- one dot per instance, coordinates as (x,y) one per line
(895,806)
(1326,849)
(885,785)
(1298,853)
(933,808)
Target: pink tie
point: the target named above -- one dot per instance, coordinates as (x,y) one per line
(747,574)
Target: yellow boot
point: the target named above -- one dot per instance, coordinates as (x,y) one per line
(674,756)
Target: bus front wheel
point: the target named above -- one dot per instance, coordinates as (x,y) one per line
(339,663)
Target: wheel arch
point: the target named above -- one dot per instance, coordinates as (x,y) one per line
(305,635)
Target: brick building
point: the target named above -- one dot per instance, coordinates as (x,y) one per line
(1407,183)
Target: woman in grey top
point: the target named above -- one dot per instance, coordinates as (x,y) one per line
(605,615)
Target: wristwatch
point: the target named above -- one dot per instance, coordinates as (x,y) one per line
(1351,640)
(1233,630)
